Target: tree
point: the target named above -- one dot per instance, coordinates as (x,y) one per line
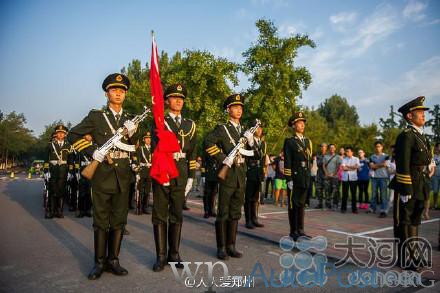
(275,80)
(391,121)
(336,109)
(15,137)
(434,123)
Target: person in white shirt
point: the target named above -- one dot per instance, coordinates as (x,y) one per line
(350,165)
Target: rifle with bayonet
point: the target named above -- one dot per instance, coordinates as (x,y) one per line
(237,150)
(114,141)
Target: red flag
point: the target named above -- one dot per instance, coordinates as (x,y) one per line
(163,167)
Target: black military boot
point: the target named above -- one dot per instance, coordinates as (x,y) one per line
(301,214)
(293,223)
(206,207)
(100,243)
(220,235)
(212,206)
(247,215)
(413,232)
(59,208)
(254,216)
(174,232)
(160,238)
(230,239)
(114,246)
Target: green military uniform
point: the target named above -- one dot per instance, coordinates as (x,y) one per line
(143,161)
(254,179)
(413,156)
(210,168)
(219,143)
(298,159)
(168,200)
(111,181)
(59,158)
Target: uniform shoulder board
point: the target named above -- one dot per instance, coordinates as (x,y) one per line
(96,110)
(406,130)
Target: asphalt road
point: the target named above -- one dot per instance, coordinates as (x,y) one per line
(39,255)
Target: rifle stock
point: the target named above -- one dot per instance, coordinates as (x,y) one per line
(90,170)
(223,172)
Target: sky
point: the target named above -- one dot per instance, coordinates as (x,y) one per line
(55,54)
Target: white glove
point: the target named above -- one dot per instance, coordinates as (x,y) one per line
(228,162)
(47,175)
(69,177)
(189,185)
(250,137)
(98,156)
(138,177)
(405,198)
(134,167)
(290,185)
(131,127)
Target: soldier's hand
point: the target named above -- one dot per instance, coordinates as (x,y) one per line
(98,156)
(250,137)
(290,185)
(188,186)
(228,161)
(131,127)
(405,198)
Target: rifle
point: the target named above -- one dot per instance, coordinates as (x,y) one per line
(236,150)
(115,140)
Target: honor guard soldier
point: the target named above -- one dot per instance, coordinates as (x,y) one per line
(412,183)
(111,180)
(254,180)
(85,187)
(210,169)
(59,150)
(298,159)
(219,143)
(168,200)
(143,162)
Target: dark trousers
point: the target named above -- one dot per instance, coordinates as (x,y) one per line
(346,185)
(210,191)
(144,187)
(230,202)
(310,189)
(168,203)
(85,195)
(269,181)
(363,190)
(110,209)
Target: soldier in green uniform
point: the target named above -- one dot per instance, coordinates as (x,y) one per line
(168,200)
(298,158)
(254,179)
(111,181)
(59,153)
(219,144)
(210,169)
(143,163)
(411,183)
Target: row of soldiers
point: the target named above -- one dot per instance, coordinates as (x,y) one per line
(241,175)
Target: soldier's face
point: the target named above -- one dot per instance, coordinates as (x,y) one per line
(235,111)
(147,140)
(299,126)
(175,103)
(60,135)
(116,95)
(417,117)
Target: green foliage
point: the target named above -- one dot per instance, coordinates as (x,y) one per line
(275,80)
(337,111)
(434,123)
